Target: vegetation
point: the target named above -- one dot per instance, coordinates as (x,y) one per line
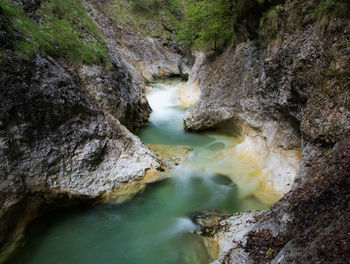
(66,30)
(207,24)
(154,18)
(204,24)
(270,24)
(294,16)
(65,26)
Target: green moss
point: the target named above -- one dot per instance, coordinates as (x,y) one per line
(66,31)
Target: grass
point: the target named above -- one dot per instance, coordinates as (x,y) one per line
(148,22)
(65,30)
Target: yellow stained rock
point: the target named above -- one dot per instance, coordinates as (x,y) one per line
(188,94)
(173,154)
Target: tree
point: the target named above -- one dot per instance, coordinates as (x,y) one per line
(206,24)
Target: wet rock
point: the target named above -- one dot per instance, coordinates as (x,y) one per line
(207,220)
(217,146)
(222,180)
(173,155)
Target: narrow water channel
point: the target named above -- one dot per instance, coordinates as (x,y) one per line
(154,227)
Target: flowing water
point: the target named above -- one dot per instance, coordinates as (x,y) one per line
(154,227)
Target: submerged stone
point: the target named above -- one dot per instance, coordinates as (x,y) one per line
(207,219)
(217,146)
(171,154)
(223,180)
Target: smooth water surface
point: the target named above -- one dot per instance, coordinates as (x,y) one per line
(154,227)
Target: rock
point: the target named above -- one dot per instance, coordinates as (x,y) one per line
(222,179)
(230,235)
(228,100)
(290,105)
(58,147)
(147,58)
(64,129)
(117,93)
(174,155)
(188,94)
(187,62)
(217,146)
(207,220)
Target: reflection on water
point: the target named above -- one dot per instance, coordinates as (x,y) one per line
(154,227)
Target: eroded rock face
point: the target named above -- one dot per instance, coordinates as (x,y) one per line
(116,92)
(60,138)
(231,236)
(190,93)
(240,95)
(147,58)
(307,224)
(289,98)
(206,220)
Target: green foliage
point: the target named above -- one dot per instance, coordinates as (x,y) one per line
(65,26)
(203,24)
(207,24)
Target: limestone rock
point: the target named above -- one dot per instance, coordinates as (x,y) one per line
(147,58)
(290,104)
(58,147)
(206,220)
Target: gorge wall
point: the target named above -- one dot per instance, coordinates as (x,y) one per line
(65,127)
(285,89)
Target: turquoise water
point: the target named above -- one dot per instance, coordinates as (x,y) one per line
(154,227)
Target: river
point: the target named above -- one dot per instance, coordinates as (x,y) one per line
(154,227)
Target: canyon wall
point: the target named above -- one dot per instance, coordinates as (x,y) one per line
(65,127)
(288,97)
